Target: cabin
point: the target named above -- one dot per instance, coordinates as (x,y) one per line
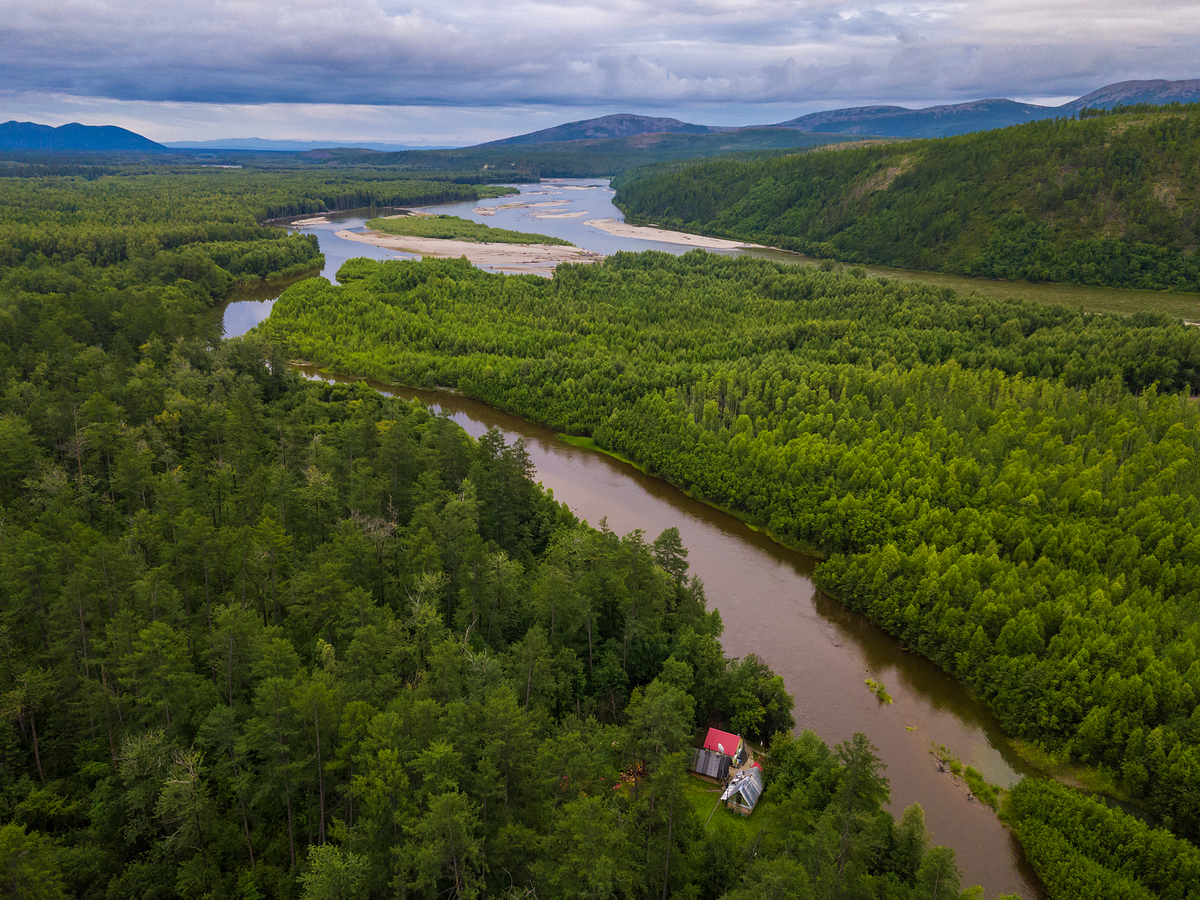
(710,764)
(726,760)
(723,742)
(743,790)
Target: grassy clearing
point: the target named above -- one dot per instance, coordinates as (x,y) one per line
(453,228)
(1121,301)
(734,829)
(1085,778)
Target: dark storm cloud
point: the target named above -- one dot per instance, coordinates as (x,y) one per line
(377,52)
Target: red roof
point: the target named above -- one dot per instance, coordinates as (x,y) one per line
(730,742)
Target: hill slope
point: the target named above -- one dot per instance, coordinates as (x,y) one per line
(1108,200)
(31,136)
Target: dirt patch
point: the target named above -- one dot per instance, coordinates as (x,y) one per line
(881,181)
(645,233)
(1166,192)
(536,259)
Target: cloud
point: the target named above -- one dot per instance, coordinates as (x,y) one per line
(358,68)
(380,52)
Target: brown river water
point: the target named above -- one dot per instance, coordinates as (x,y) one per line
(766,597)
(824,651)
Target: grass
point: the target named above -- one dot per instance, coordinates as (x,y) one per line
(587,443)
(1121,301)
(988,793)
(1092,779)
(734,829)
(984,792)
(453,228)
(879,690)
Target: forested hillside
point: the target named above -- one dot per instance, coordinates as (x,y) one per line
(1010,488)
(263,638)
(1110,199)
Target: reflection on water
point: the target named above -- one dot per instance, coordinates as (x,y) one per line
(822,650)
(581,200)
(575,202)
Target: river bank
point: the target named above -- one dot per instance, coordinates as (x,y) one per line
(823,651)
(515,259)
(682,238)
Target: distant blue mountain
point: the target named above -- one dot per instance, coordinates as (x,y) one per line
(74,137)
(883,121)
(621,125)
(290,146)
(982,115)
(934,121)
(880,121)
(1128,93)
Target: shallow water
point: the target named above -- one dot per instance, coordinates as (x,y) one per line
(585,200)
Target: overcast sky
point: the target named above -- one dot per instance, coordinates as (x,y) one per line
(464,71)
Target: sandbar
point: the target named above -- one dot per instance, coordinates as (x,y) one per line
(491,210)
(535,259)
(646,233)
(315,220)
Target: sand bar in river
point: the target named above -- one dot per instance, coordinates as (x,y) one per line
(536,259)
(645,233)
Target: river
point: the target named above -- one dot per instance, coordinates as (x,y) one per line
(767,600)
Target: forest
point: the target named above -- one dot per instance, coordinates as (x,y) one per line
(269,638)
(1009,488)
(1103,200)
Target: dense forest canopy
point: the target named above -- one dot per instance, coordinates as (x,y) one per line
(264,638)
(1105,200)
(1009,488)
(455,228)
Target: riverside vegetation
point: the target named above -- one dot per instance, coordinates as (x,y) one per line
(1103,200)
(455,228)
(263,638)
(1009,488)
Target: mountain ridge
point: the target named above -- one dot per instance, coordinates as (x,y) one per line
(16,135)
(942,120)
(617,125)
(875,121)
(288,146)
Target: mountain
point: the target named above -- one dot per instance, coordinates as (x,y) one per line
(877,121)
(31,136)
(984,115)
(289,146)
(934,121)
(621,125)
(1127,93)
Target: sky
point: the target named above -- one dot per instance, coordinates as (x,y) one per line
(437,73)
